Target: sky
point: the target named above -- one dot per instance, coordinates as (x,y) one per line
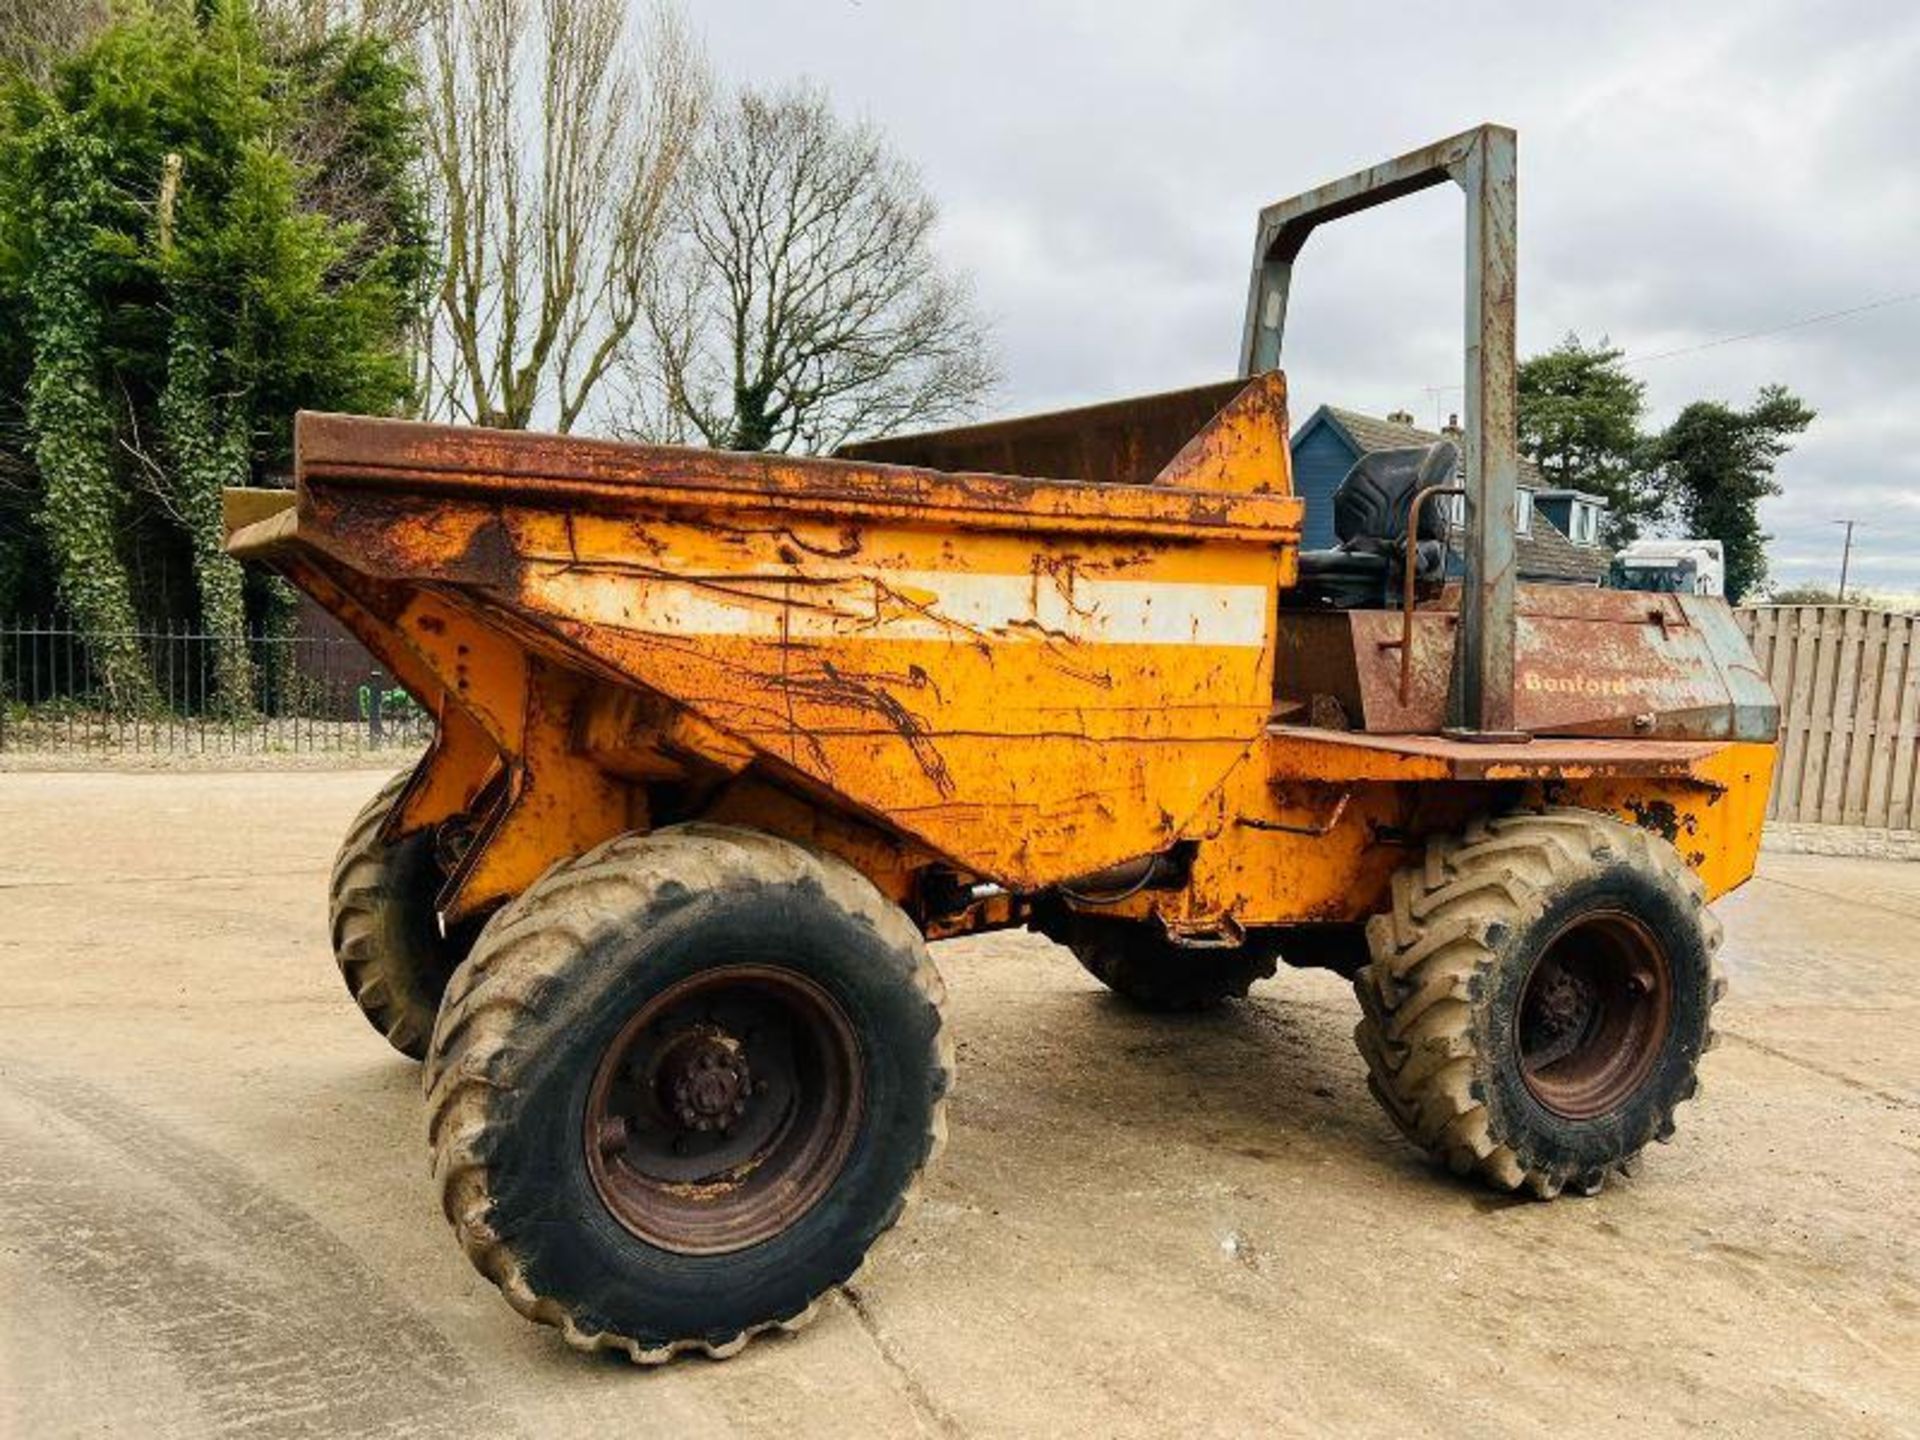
(1688,172)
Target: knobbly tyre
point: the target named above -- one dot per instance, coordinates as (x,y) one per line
(722,741)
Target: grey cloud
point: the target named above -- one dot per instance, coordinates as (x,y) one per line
(1688,172)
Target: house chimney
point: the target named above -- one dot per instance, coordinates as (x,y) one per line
(1400,417)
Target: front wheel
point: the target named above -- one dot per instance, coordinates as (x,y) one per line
(682,1085)
(1539,998)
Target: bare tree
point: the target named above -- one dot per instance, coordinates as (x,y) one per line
(288,23)
(36,33)
(801,302)
(556,144)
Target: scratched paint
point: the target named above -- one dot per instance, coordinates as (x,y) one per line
(1018,680)
(806,604)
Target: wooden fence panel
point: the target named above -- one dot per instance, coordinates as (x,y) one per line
(1799,642)
(1906,735)
(1848,679)
(1841,722)
(1895,634)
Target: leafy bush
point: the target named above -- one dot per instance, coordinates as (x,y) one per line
(201,232)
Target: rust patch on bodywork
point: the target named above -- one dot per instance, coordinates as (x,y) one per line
(1123,442)
(1600,663)
(1661,818)
(1011,680)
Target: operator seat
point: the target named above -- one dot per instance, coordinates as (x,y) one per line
(1370,510)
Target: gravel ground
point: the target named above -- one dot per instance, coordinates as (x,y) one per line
(215,1216)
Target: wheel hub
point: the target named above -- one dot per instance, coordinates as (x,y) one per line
(1566,1003)
(1594,1015)
(724,1109)
(706,1082)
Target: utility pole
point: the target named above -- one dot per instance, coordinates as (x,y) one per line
(1846,554)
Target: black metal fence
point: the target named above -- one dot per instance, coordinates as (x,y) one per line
(309,694)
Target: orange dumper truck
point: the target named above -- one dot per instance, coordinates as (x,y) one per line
(723,740)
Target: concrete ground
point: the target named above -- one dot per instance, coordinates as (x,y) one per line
(215,1215)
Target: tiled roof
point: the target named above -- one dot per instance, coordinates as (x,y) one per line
(1371,435)
(1544,553)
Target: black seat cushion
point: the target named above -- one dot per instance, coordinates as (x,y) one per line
(1342,579)
(1370,511)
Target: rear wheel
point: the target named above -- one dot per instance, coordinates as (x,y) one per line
(1539,998)
(682,1085)
(1136,961)
(386,933)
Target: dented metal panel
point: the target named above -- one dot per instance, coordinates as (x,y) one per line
(598,476)
(1299,753)
(1123,442)
(1028,707)
(1588,662)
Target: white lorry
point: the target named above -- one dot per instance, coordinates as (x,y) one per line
(1670,567)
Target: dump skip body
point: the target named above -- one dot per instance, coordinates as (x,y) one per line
(1029,679)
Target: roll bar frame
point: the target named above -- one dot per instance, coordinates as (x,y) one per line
(1483,163)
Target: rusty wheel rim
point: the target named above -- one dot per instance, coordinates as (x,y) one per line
(724,1109)
(1594,1014)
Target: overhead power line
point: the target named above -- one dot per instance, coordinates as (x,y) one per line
(1801,324)
(1629,359)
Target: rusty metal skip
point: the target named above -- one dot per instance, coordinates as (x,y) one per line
(1067,671)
